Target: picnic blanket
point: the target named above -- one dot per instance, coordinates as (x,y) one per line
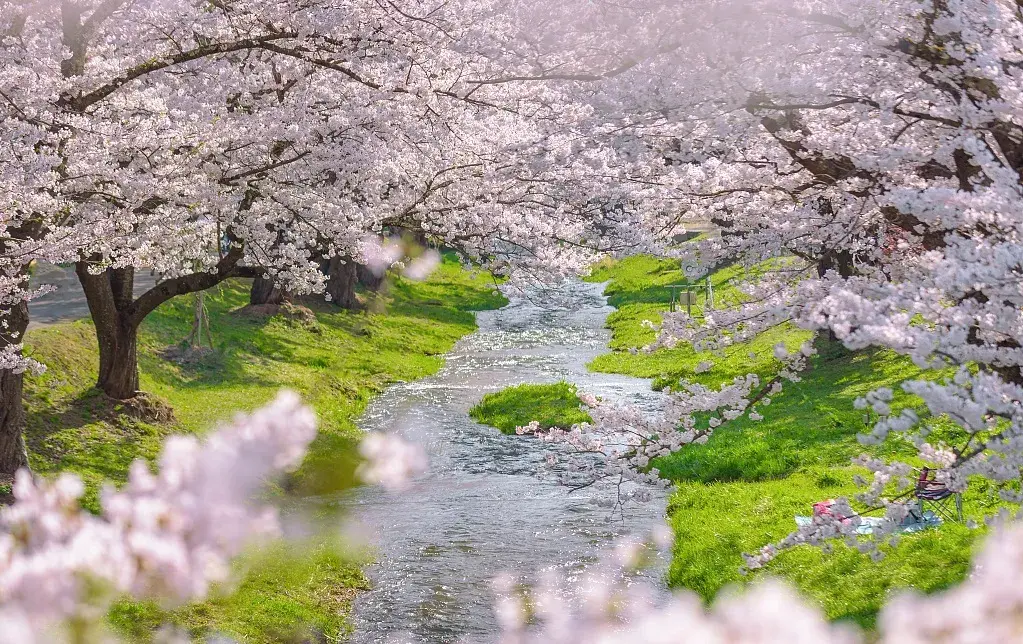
(912,523)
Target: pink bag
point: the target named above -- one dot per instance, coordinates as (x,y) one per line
(823,508)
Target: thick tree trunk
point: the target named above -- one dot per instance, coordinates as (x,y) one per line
(264,291)
(828,344)
(368,278)
(342,278)
(842,262)
(13,455)
(117,313)
(118,363)
(13,325)
(109,295)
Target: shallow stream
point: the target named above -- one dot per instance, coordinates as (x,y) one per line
(482,508)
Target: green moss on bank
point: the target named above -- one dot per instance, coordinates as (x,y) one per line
(552,405)
(337,360)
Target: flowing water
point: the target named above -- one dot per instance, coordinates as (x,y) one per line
(482,508)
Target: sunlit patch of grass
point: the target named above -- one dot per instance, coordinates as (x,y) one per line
(638,288)
(552,405)
(810,423)
(715,523)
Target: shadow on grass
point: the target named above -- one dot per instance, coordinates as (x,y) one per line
(811,423)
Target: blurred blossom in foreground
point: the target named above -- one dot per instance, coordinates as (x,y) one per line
(391,461)
(616,609)
(421,267)
(380,254)
(168,535)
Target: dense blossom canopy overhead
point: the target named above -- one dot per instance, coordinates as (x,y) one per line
(880,144)
(163,134)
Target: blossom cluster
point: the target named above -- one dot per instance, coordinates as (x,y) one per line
(172,129)
(390,461)
(614,607)
(169,535)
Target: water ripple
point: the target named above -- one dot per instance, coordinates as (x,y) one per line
(483,508)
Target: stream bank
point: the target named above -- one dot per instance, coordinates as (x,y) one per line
(482,509)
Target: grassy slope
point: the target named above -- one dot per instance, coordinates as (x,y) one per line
(336,362)
(742,489)
(551,404)
(638,289)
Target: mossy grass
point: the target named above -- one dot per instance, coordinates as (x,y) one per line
(638,289)
(552,405)
(742,489)
(335,359)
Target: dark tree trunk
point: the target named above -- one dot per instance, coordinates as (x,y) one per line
(13,325)
(118,363)
(109,295)
(265,291)
(13,455)
(341,281)
(368,278)
(117,314)
(842,262)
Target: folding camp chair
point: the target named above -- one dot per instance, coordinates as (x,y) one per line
(933,493)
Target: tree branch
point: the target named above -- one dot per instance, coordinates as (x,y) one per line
(154,297)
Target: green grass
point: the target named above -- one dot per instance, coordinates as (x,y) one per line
(715,523)
(336,362)
(742,489)
(811,423)
(637,288)
(552,405)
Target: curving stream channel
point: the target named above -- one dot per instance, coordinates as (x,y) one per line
(482,508)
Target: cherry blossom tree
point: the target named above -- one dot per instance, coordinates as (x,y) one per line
(879,143)
(210,140)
